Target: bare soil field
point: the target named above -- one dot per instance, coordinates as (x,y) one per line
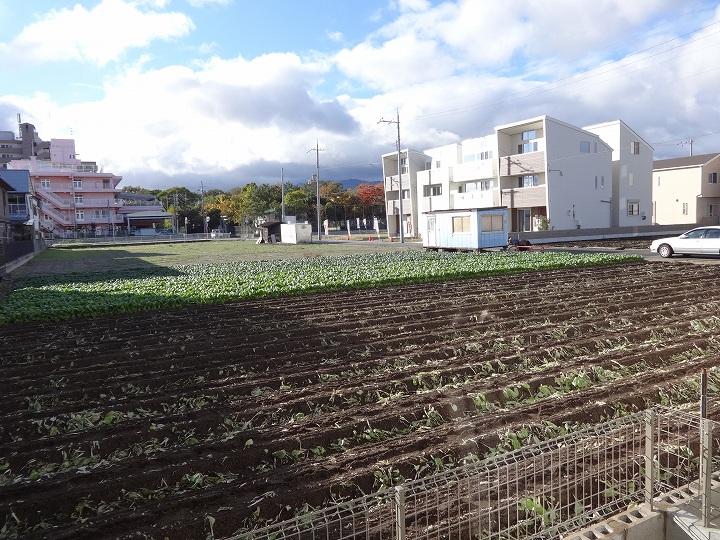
(204,421)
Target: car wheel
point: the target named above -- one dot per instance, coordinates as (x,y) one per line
(665,251)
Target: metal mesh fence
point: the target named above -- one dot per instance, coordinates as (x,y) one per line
(539,491)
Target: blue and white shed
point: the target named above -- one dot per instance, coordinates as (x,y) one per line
(472,228)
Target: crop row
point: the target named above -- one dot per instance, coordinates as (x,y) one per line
(57,297)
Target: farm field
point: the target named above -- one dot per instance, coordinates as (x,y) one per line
(62,296)
(210,420)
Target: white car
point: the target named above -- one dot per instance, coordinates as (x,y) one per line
(700,241)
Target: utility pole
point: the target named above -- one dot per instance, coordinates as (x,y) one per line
(690,142)
(317,151)
(175,209)
(202,206)
(282,195)
(399,168)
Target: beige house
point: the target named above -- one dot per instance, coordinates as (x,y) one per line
(687,190)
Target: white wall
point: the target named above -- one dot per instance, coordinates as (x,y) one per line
(632,173)
(673,187)
(573,199)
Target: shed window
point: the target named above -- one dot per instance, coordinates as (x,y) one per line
(636,147)
(584,147)
(713,178)
(633,208)
(461,224)
(492,223)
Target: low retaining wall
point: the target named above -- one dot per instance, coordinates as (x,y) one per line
(545,237)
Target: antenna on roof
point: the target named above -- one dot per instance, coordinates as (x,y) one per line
(19,129)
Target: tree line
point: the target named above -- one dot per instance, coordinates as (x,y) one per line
(244,205)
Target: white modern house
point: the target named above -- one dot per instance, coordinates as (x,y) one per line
(687,190)
(550,175)
(630,200)
(412,162)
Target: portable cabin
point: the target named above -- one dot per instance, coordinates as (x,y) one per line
(468,229)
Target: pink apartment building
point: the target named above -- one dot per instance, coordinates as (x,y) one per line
(73,197)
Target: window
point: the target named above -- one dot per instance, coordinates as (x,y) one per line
(658,183)
(528,180)
(461,188)
(45,183)
(491,223)
(485,185)
(595,147)
(79,215)
(79,197)
(631,179)
(77,184)
(405,193)
(437,164)
(695,233)
(433,190)
(529,135)
(596,182)
(636,147)
(712,233)
(602,182)
(428,165)
(527,147)
(685,209)
(633,208)
(106,183)
(584,147)
(461,224)
(711,209)
(713,178)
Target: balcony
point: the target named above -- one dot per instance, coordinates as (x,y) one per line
(524,197)
(475,170)
(391,182)
(520,164)
(393,207)
(476,199)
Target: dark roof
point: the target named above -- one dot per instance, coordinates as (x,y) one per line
(137,196)
(4,185)
(467,209)
(689,161)
(19,180)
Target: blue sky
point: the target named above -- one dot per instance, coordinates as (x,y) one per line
(171,91)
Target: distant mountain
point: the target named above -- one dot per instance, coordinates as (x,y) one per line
(352,183)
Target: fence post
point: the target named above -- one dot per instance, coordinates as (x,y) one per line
(650,416)
(400,513)
(706,430)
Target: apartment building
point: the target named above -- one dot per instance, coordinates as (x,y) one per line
(548,173)
(630,200)
(27,145)
(687,190)
(412,162)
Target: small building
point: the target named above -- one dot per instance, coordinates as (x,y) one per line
(687,190)
(468,229)
(296,233)
(270,231)
(22,205)
(5,226)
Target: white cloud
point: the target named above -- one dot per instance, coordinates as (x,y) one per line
(241,119)
(335,36)
(204,3)
(97,35)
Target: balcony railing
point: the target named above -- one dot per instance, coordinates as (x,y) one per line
(393,207)
(520,164)
(524,197)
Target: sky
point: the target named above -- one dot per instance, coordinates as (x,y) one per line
(175,92)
